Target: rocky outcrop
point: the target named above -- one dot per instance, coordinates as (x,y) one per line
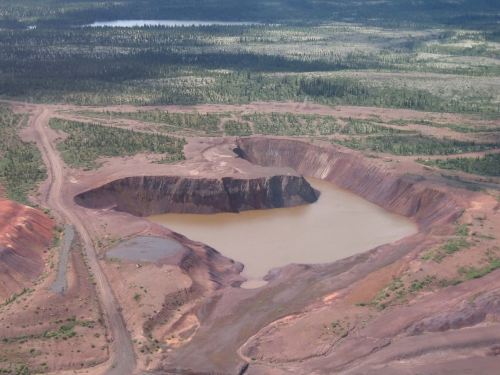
(150,195)
(353,172)
(485,308)
(24,234)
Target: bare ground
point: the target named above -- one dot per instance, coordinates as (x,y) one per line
(308,319)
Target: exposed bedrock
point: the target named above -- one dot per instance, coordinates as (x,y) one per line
(352,172)
(24,233)
(485,308)
(150,195)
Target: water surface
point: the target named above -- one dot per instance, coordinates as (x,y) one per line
(170,23)
(338,225)
(145,249)
(60,285)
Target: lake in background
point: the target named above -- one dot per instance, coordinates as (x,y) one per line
(170,23)
(338,225)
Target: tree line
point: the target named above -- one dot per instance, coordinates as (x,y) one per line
(88,141)
(487,165)
(21,163)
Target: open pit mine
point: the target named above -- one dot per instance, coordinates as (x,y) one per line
(181,300)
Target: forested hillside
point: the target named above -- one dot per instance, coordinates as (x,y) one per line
(439,55)
(17,13)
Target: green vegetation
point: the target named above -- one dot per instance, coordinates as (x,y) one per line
(292,124)
(448,249)
(488,165)
(397,292)
(418,285)
(493,263)
(353,92)
(325,125)
(64,332)
(209,123)
(474,272)
(87,142)
(394,292)
(426,13)
(355,126)
(280,124)
(58,61)
(17,295)
(462,229)
(415,145)
(21,164)
(238,128)
(445,282)
(460,128)
(56,241)
(339,329)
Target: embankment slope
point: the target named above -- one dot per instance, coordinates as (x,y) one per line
(24,234)
(351,171)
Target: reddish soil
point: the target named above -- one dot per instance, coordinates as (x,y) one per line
(39,310)
(391,310)
(25,234)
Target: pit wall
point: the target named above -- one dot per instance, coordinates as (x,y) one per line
(152,195)
(353,172)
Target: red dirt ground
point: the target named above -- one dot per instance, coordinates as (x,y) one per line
(318,319)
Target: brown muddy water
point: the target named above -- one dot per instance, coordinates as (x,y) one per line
(338,225)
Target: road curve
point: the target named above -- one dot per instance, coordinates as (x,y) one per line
(122,351)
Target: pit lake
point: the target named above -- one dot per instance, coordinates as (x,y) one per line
(169,23)
(338,225)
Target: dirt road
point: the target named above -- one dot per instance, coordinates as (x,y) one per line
(122,352)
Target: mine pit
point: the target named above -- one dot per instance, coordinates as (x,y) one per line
(338,225)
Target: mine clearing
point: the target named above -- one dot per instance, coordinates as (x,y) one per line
(246,130)
(189,299)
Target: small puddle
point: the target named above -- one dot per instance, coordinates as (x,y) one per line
(338,225)
(146,249)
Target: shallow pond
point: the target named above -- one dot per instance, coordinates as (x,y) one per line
(145,249)
(338,225)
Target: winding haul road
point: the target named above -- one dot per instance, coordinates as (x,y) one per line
(122,352)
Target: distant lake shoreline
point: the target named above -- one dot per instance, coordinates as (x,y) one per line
(168,23)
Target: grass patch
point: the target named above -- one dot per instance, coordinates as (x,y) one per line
(64,332)
(448,249)
(418,285)
(471,272)
(445,282)
(462,229)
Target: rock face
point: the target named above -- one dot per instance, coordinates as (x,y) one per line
(352,172)
(485,308)
(150,195)
(24,233)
